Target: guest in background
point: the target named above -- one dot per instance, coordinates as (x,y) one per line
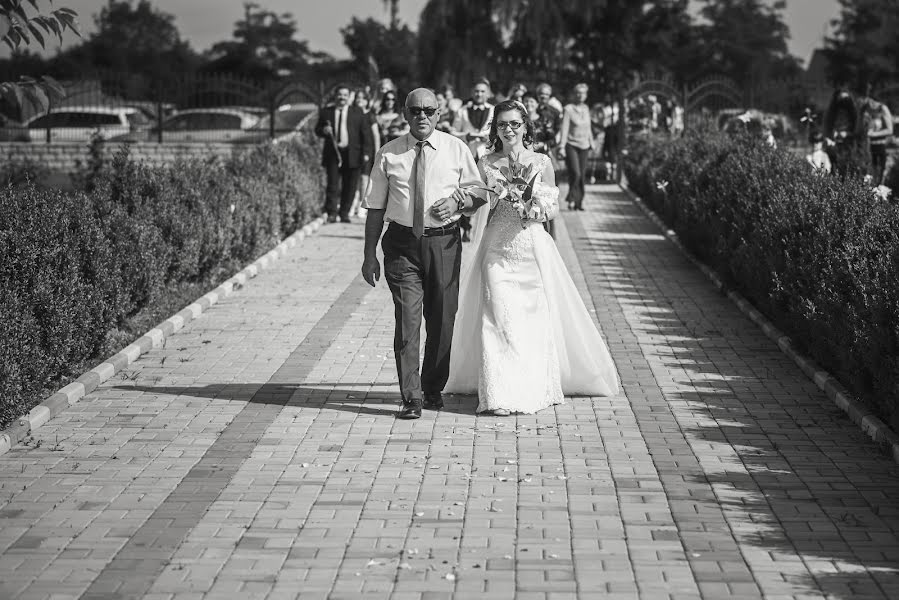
(517,92)
(818,158)
(362,100)
(452,102)
(472,122)
(447,116)
(385,86)
(348,146)
(610,124)
(545,96)
(575,145)
(844,133)
(387,118)
(531,104)
(548,121)
(879,129)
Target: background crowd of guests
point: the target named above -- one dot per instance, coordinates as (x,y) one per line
(569,133)
(854,134)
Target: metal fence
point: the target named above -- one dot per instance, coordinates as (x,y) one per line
(202,107)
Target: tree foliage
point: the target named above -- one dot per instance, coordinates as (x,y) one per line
(607,42)
(19,28)
(383,51)
(135,39)
(455,39)
(746,40)
(865,46)
(264,46)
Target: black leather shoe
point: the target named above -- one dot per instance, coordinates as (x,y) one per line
(345,220)
(433,400)
(410,410)
(332,218)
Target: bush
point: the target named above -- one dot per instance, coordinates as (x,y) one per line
(818,255)
(75,266)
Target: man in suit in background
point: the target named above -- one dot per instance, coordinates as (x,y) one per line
(348,146)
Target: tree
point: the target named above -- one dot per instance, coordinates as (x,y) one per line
(394,7)
(746,40)
(18,29)
(134,39)
(391,51)
(865,46)
(264,46)
(455,40)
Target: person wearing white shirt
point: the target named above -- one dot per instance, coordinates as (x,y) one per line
(472,122)
(421,183)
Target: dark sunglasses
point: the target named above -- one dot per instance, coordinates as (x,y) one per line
(417,110)
(515,125)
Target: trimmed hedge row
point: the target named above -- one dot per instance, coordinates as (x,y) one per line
(75,266)
(818,255)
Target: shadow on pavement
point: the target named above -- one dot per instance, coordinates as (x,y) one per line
(322,395)
(800,477)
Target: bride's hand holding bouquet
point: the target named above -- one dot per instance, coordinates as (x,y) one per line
(518,185)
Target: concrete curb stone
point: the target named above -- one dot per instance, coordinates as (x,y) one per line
(873,427)
(87,382)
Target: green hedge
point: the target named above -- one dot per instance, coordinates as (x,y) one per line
(819,255)
(75,266)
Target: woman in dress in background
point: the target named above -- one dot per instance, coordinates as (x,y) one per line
(362,100)
(523,337)
(385,86)
(391,123)
(576,145)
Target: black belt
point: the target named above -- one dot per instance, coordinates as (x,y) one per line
(432,231)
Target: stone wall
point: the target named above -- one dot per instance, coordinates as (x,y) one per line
(64,157)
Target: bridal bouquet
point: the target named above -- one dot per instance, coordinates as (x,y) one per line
(518,185)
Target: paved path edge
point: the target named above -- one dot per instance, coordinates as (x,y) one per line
(873,426)
(155,337)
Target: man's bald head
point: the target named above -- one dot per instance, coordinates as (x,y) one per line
(421,112)
(419,94)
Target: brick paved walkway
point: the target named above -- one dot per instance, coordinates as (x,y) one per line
(256,456)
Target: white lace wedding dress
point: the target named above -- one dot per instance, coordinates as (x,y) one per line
(523,338)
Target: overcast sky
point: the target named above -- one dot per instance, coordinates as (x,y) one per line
(204,22)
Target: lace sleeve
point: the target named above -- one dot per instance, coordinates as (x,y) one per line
(546,195)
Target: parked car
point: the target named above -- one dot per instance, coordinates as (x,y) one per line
(79,123)
(287,119)
(205,125)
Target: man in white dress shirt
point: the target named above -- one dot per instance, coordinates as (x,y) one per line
(472,122)
(421,183)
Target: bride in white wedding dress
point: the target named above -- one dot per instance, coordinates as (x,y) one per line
(523,338)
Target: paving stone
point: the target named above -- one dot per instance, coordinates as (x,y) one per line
(256,455)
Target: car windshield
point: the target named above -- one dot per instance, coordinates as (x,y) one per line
(285,120)
(137,119)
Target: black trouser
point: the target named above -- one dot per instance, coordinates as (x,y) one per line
(423,275)
(341,185)
(878,162)
(576,163)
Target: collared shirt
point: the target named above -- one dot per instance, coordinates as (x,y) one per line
(450,165)
(343,136)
